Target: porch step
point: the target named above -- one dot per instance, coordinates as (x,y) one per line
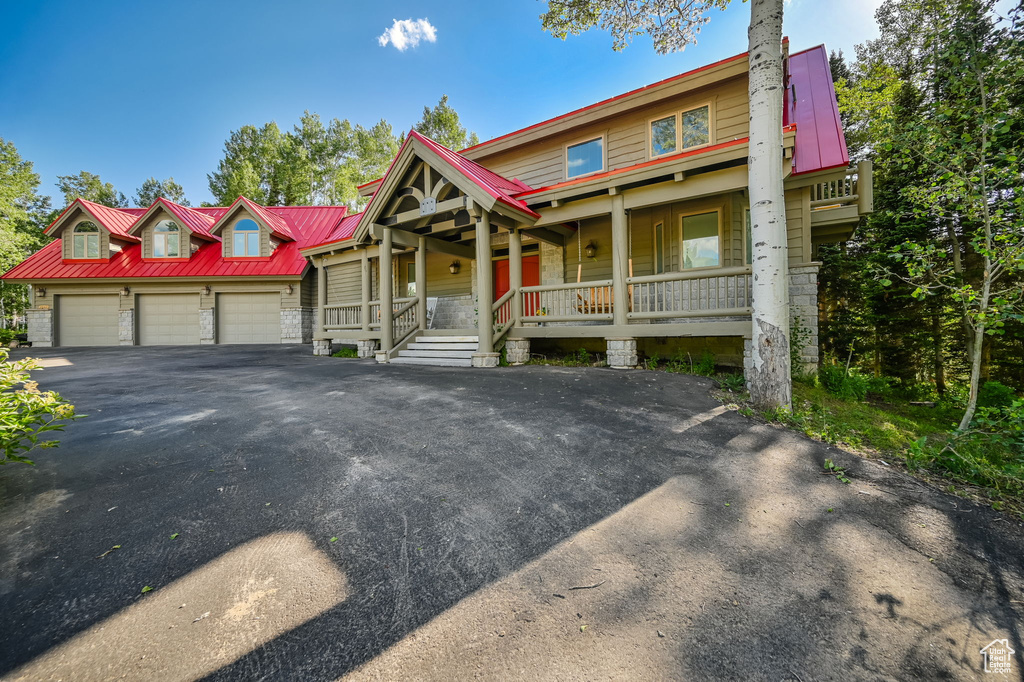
(440,351)
(435,362)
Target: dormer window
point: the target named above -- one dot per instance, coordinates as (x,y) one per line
(166,240)
(85,240)
(681,131)
(247,238)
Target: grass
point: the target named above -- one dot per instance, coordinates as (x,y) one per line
(346,353)
(579,358)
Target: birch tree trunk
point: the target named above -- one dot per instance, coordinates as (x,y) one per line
(770,382)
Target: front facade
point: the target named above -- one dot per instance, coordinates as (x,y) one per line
(623,224)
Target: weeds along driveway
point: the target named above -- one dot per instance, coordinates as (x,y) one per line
(311,518)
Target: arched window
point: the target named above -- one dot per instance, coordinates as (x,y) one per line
(166,240)
(85,240)
(247,238)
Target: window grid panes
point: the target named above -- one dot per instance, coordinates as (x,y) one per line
(700,243)
(85,241)
(246,238)
(585,157)
(166,240)
(696,128)
(410,281)
(663,136)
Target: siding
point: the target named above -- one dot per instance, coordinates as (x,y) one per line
(343,283)
(147,234)
(308,289)
(227,235)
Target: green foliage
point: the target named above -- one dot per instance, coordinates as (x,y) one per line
(153,189)
(734,382)
(88,186)
(346,352)
(799,336)
(835,470)
(26,413)
(705,366)
(1000,426)
(8,335)
(580,358)
(995,394)
(849,385)
(441,124)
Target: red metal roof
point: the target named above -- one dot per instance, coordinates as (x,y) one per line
(496,186)
(344,230)
(811,105)
(196,221)
(308,225)
(114,219)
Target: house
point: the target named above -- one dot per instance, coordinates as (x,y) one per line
(998,657)
(622,224)
(625,222)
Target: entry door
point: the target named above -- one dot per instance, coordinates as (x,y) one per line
(531,275)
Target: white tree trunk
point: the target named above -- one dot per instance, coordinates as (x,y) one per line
(770,382)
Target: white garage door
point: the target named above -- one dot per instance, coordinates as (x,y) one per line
(87,320)
(249,318)
(168,319)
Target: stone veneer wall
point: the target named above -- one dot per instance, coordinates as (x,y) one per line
(207,326)
(126,327)
(296,325)
(803,304)
(40,327)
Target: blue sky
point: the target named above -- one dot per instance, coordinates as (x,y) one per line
(137,89)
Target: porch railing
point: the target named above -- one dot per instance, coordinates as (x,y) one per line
(568,302)
(347,316)
(720,292)
(841,192)
(404,321)
(503,314)
(395,305)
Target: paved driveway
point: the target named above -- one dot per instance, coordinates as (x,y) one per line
(306,518)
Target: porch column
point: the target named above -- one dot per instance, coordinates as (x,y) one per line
(620,261)
(386,294)
(484,285)
(421,282)
(321,296)
(364,288)
(515,274)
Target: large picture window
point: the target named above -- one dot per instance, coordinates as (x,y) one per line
(85,241)
(701,246)
(166,240)
(685,130)
(584,158)
(247,238)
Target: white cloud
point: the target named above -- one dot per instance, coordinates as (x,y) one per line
(408,33)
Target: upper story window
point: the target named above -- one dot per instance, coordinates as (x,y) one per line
(85,240)
(166,240)
(701,246)
(247,238)
(681,131)
(584,158)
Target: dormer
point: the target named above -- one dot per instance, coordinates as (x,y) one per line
(249,231)
(170,232)
(91,233)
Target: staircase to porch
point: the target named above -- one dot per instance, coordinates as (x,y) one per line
(439,351)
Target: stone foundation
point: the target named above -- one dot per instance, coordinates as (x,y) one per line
(380,356)
(322,347)
(486,359)
(40,327)
(126,327)
(367,348)
(207,326)
(454,312)
(803,305)
(296,325)
(622,353)
(517,351)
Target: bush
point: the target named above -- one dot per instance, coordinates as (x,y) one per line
(847,385)
(995,394)
(8,335)
(346,352)
(1002,427)
(705,367)
(26,412)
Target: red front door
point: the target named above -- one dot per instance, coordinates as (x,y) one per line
(531,275)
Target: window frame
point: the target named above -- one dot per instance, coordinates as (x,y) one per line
(659,244)
(410,279)
(721,239)
(163,236)
(236,233)
(678,114)
(584,140)
(86,238)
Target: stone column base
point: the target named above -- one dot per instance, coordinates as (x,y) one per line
(40,327)
(517,351)
(296,325)
(381,356)
(207,326)
(366,348)
(486,359)
(126,327)
(322,347)
(622,353)
(42,344)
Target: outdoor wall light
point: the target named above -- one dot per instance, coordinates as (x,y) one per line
(40,291)
(290,289)
(207,290)
(454,267)
(590,250)
(125,291)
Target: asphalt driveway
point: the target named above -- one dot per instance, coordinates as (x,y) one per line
(302,518)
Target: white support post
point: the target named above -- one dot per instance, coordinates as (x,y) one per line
(386,292)
(421,282)
(321,296)
(515,274)
(620,261)
(484,283)
(364,288)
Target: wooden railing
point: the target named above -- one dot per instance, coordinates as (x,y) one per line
(700,293)
(841,192)
(503,314)
(347,316)
(568,302)
(395,305)
(404,321)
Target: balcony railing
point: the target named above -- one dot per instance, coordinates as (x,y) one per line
(568,302)
(700,293)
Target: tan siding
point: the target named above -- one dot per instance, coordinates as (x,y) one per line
(343,283)
(227,235)
(147,234)
(794,226)
(599,231)
(308,290)
(441,282)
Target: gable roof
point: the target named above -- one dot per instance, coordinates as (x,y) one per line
(278,227)
(198,223)
(115,220)
(811,105)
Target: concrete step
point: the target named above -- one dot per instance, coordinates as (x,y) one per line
(447,339)
(443,346)
(436,362)
(465,354)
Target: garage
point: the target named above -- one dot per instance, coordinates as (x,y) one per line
(87,320)
(249,318)
(168,319)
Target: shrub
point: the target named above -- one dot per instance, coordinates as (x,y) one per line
(847,385)
(705,367)
(995,394)
(26,412)
(346,352)
(733,382)
(1002,426)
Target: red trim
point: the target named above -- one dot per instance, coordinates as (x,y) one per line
(654,162)
(247,258)
(76,261)
(165,260)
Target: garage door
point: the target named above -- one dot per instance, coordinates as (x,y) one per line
(87,320)
(249,318)
(168,319)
